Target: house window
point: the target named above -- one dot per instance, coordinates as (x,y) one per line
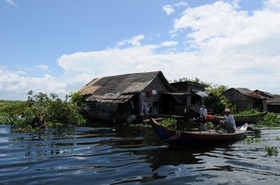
(151,93)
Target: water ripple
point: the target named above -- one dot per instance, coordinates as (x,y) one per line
(131,156)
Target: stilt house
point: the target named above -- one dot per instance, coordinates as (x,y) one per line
(244,99)
(188,98)
(272,101)
(115,98)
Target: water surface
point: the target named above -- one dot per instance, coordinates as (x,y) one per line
(124,155)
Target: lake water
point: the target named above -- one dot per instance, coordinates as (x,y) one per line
(124,155)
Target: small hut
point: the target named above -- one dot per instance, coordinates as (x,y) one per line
(272,101)
(244,99)
(116,98)
(189,97)
(273,105)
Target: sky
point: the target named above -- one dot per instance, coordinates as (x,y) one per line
(58,46)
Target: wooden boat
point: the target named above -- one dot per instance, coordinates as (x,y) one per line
(239,120)
(177,137)
(249,119)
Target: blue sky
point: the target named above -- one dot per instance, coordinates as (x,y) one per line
(57,46)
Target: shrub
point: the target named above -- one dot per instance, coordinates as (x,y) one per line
(270,119)
(41,110)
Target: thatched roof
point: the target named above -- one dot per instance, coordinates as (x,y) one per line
(120,87)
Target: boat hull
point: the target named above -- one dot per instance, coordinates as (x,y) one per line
(176,137)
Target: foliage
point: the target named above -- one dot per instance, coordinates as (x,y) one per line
(249,112)
(78,98)
(11,113)
(271,150)
(252,140)
(41,110)
(216,101)
(209,125)
(270,119)
(196,80)
(169,123)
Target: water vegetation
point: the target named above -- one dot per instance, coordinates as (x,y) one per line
(41,111)
(271,151)
(252,140)
(270,119)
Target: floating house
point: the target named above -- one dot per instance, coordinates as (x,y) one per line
(189,98)
(117,98)
(272,101)
(244,99)
(273,105)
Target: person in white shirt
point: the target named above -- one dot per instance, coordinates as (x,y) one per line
(202,112)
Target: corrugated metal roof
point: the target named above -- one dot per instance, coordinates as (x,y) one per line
(265,94)
(200,93)
(248,93)
(273,101)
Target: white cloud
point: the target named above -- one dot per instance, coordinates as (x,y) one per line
(181,4)
(15,86)
(233,48)
(272,4)
(235,3)
(169,43)
(226,46)
(11,2)
(134,41)
(221,27)
(168,9)
(42,67)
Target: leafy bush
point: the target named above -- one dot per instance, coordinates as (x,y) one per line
(270,119)
(216,100)
(41,110)
(169,123)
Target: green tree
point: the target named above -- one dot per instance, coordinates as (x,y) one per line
(216,100)
(42,110)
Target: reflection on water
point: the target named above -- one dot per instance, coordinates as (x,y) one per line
(124,155)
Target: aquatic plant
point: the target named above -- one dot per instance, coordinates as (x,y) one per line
(250,140)
(270,119)
(271,150)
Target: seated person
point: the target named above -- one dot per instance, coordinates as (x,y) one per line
(228,123)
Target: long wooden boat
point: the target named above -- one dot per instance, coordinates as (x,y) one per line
(249,119)
(239,120)
(177,137)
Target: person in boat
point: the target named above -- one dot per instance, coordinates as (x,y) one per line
(228,122)
(202,112)
(202,116)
